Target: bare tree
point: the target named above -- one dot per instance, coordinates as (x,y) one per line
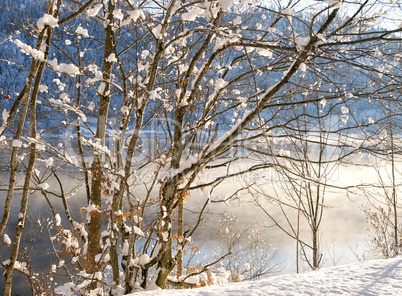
(305,158)
(383,212)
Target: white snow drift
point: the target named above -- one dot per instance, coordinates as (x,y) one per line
(377,277)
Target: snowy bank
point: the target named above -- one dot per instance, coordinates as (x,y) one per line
(377,277)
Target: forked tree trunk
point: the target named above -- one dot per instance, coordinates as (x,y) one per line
(25,95)
(26,188)
(37,69)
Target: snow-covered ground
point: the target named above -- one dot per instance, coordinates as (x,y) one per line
(377,277)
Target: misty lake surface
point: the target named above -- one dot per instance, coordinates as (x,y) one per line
(343,233)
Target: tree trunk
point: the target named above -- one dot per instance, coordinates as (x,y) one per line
(316,260)
(166,262)
(95,224)
(26,188)
(394,201)
(180,237)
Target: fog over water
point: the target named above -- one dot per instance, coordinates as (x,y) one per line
(342,229)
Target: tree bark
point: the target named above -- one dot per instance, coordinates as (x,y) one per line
(95,224)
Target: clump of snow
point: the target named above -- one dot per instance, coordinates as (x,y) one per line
(20,266)
(226,4)
(59,84)
(91,106)
(58,220)
(5,115)
(93,11)
(89,209)
(344,118)
(165,236)
(133,16)
(138,231)
(336,3)
(345,110)
(81,31)
(101,88)
(67,289)
(321,40)
(237,20)
(118,290)
(220,83)
(124,250)
(301,42)
(43,186)
(28,50)
(111,58)
(246,267)
(285,153)
(265,52)
(190,15)
(118,14)
(157,31)
(6,239)
(69,69)
(144,259)
(49,162)
(125,110)
(37,172)
(43,88)
(17,143)
(288,13)
(47,19)
(193,280)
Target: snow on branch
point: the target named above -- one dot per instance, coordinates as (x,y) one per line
(48,20)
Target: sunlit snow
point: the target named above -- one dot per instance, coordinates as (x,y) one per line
(377,277)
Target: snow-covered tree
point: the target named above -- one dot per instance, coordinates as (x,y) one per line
(196,79)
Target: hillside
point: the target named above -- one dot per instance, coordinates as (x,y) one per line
(377,277)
